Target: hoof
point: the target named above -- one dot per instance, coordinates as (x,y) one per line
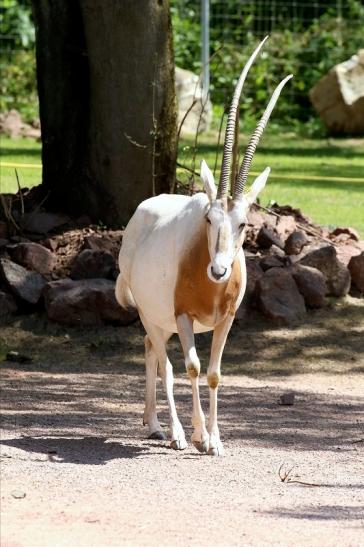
(178,444)
(202,447)
(158,436)
(216,451)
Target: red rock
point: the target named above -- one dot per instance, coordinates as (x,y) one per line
(348,250)
(85,302)
(336,274)
(276,251)
(295,242)
(98,243)
(356,268)
(93,264)
(268,262)
(278,296)
(34,257)
(311,284)
(25,285)
(266,238)
(353,234)
(254,272)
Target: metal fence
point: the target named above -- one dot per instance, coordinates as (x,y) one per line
(314,35)
(233,25)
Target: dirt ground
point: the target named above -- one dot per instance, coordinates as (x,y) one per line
(77,470)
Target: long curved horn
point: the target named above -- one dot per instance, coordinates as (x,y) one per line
(254,140)
(230,126)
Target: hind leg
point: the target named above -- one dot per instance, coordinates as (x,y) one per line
(158,339)
(150,417)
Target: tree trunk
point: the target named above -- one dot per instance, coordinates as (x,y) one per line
(107,104)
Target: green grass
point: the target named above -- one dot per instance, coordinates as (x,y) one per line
(20,151)
(327,202)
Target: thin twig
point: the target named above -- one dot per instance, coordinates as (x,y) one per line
(188,169)
(285,477)
(184,118)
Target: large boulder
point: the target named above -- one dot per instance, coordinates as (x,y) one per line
(27,286)
(253,273)
(311,284)
(278,296)
(338,97)
(356,268)
(336,274)
(85,302)
(189,92)
(91,264)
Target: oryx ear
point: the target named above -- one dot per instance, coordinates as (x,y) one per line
(208,181)
(257,186)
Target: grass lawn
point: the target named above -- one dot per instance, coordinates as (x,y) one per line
(328,201)
(20,151)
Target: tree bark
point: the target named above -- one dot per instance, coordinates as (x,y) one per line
(107,104)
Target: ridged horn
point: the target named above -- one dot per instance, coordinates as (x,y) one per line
(230,126)
(254,140)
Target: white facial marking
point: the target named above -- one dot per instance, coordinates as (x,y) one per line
(226,224)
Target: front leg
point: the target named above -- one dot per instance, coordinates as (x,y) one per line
(213,378)
(200,437)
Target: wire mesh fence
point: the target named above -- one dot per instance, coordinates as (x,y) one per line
(307,38)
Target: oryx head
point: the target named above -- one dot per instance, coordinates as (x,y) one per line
(227,215)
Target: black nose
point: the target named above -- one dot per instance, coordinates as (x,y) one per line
(216,275)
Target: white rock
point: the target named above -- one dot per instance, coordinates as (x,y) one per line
(188,89)
(338,97)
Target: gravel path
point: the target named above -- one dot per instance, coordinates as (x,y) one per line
(77,471)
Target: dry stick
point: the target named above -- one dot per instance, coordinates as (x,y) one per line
(285,477)
(20,193)
(184,117)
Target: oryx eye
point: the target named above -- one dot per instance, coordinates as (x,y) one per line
(242,225)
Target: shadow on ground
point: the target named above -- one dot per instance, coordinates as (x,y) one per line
(81,398)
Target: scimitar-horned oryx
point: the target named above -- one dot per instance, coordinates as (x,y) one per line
(182,266)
